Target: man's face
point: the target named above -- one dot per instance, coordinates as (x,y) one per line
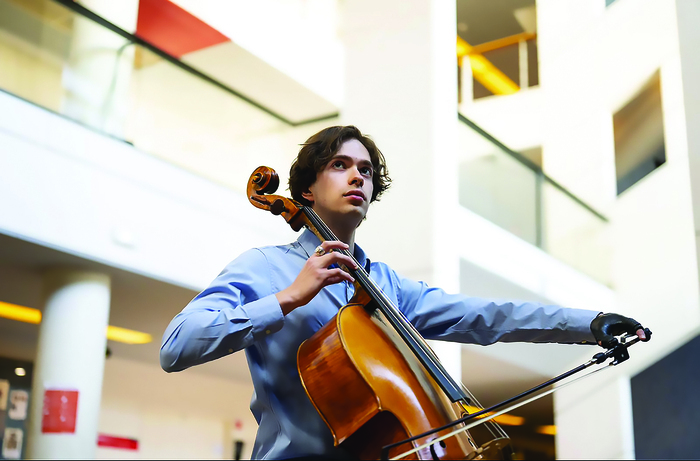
(344,187)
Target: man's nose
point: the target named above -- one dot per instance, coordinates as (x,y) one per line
(357,178)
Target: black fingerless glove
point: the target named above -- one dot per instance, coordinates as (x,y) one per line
(606,326)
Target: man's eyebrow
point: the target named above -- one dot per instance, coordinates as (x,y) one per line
(347,158)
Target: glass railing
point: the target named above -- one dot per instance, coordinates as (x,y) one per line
(60,56)
(511,191)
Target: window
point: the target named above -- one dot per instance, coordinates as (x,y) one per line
(639,136)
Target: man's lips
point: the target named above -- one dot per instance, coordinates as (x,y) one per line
(356,194)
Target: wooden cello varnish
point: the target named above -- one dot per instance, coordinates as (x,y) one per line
(370,392)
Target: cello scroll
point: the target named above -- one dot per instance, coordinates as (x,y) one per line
(261,185)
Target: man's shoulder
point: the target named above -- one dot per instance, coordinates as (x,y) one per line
(258,257)
(278,249)
(269,252)
(379,267)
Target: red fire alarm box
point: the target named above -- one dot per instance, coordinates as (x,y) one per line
(60,411)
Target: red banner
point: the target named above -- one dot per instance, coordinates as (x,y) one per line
(110,441)
(173,29)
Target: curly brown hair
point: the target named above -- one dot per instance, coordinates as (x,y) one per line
(320,148)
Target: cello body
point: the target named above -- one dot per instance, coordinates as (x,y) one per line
(371,393)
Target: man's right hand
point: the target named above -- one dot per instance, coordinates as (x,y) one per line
(606,326)
(315,275)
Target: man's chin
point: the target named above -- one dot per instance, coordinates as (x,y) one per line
(354,215)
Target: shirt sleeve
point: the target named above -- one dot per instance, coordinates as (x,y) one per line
(459,318)
(237,309)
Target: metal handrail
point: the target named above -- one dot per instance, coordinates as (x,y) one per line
(81,10)
(502,42)
(532,166)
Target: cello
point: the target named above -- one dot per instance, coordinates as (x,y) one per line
(389,387)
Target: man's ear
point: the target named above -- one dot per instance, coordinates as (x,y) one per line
(308,195)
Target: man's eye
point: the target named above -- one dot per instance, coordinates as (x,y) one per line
(366,171)
(338,164)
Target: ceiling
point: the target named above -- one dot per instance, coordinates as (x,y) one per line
(137,302)
(481,21)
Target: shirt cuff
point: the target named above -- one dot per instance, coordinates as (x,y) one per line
(580,323)
(265,315)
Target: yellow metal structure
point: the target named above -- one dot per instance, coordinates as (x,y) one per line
(484,71)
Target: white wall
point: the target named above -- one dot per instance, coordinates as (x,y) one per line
(592,60)
(687,13)
(68,187)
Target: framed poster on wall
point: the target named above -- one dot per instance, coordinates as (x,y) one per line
(12,443)
(19,401)
(4,391)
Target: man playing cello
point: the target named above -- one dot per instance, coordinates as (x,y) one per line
(269,300)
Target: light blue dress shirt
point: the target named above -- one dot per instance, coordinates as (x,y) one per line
(239,311)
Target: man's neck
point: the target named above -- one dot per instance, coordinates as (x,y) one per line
(344,229)
(343,235)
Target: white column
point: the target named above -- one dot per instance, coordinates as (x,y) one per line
(401,89)
(71,356)
(594,419)
(97,75)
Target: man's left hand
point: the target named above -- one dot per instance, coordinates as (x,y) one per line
(606,326)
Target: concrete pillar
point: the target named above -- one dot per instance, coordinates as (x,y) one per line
(70,357)
(98,73)
(401,89)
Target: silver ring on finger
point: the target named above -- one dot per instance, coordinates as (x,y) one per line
(319,251)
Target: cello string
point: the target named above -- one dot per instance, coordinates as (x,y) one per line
(492,426)
(369,285)
(498,413)
(397,318)
(597,359)
(401,321)
(402,324)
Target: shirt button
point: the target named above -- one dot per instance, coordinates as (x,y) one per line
(267,332)
(230,351)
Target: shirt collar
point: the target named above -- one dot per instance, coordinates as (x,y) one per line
(309,242)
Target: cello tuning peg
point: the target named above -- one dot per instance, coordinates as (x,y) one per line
(277,207)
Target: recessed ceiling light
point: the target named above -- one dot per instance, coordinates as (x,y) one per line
(19,371)
(124,335)
(505,419)
(21,313)
(30,315)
